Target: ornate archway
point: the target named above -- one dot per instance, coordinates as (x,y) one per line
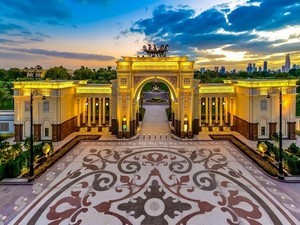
(176,72)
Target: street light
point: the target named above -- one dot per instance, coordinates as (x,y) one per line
(31,166)
(280,168)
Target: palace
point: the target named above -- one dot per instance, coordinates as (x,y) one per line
(238,105)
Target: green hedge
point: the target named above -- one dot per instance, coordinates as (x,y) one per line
(253,155)
(293,164)
(290,157)
(14,168)
(45,164)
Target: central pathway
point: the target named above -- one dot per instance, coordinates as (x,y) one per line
(155,120)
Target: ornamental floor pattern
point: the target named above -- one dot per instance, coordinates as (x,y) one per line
(165,182)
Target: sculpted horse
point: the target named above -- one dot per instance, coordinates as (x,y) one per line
(152,52)
(162,51)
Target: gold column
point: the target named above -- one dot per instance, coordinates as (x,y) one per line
(109,119)
(94,111)
(231,112)
(200,104)
(78,112)
(216,109)
(103,110)
(221,111)
(206,110)
(99,107)
(226,110)
(89,112)
(84,110)
(210,111)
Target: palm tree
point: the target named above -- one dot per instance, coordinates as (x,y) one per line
(5,93)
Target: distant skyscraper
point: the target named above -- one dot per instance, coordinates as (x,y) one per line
(259,69)
(249,68)
(287,65)
(202,69)
(265,66)
(222,70)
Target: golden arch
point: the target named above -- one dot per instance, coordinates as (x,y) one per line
(134,72)
(173,93)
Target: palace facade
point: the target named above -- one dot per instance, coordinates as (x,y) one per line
(238,105)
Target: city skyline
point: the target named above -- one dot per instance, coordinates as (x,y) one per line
(95,34)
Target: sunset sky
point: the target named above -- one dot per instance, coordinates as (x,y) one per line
(95,33)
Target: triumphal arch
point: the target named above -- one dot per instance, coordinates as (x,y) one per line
(56,108)
(176,72)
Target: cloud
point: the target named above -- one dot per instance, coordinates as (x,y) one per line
(18,34)
(8,27)
(269,14)
(235,28)
(34,11)
(6,41)
(68,55)
(164,18)
(93,1)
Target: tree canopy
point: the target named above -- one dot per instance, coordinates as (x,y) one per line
(57,73)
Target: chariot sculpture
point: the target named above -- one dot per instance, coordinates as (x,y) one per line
(153,51)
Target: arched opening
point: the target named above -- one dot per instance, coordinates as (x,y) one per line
(262,129)
(26,129)
(46,130)
(158,96)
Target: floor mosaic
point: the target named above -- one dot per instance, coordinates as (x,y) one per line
(192,183)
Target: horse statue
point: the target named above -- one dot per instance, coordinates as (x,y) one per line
(162,51)
(154,52)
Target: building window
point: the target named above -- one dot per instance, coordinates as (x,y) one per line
(123,81)
(46,132)
(4,126)
(186,81)
(27,106)
(263,130)
(263,104)
(46,106)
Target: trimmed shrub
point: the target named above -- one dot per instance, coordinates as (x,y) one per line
(2,171)
(253,155)
(293,164)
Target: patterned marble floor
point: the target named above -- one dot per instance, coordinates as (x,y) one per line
(165,182)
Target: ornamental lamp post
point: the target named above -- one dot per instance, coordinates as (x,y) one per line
(31,160)
(280,167)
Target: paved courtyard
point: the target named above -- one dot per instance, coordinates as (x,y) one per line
(152,181)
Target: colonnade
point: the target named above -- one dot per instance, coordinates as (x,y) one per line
(92,111)
(216,111)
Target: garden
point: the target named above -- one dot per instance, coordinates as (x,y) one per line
(14,159)
(268,160)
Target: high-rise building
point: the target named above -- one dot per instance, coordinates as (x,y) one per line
(249,68)
(265,66)
(259,69)
(287,65)
(222,70)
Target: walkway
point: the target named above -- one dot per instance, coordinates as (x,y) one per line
(152,182)
(155,121)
